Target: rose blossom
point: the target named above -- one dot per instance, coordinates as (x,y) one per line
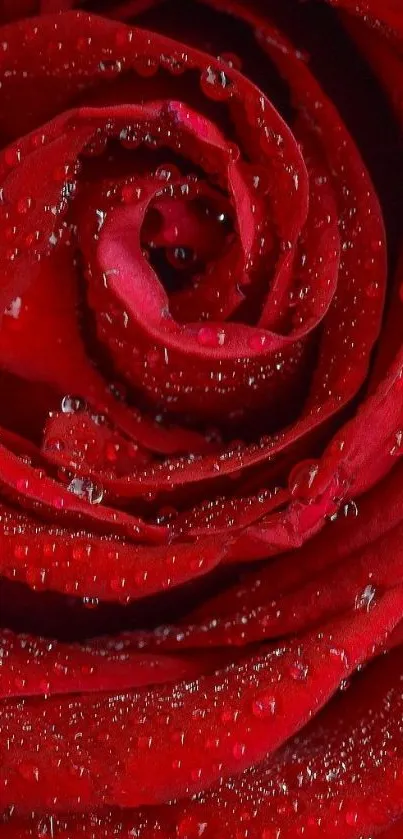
(201,419)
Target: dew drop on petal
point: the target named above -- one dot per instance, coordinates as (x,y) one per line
(397,444)
(175,65)
(167,172)
(350,509)
(146,67)
(207,336)
(72,404)
(13,309)
(86,489)
(190,828)
(215,83)
(123,37)
(365,600)
(24,204)
(180,257)
(130,193)
(29,771)
(374,290)
(302,479)
(232,60)
(90,602)
(257,341)
(298,671)
(53,444)
(228,715)
(264,706)
(351,818)
(238,750)
(12,156)
(111,451)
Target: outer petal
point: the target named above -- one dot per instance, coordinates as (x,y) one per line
(106,750)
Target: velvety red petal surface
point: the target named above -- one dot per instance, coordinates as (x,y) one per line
(201,419)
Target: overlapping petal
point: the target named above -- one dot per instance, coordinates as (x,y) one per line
(200,283)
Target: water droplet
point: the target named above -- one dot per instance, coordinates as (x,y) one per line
(350,509)
(110,68)
(374,290)
(228,715)
(29,771)
(239,750)
(82,44)
(302,479)
(173,64)
(146,66)
(111,450)
(232,60)
(167,172)
(166,514)
(123,37)
(215,83)
(38,140)
(72,404)
(96,147)
(299,671)
(86,489)
(260,181)
(53,444)
(12,156)
(264,706)
(190,828)
(90,602)
(341,654)
(24,205)
(13,310)
(366,599)
(180,257)
(21,551)
(222,217)
(257,341)
(351,818)
(208,336)
(130,194)
(397,447)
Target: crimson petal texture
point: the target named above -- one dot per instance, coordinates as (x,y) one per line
(201,422)
(307,790)
(123,737)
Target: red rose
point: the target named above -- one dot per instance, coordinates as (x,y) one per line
(201,420)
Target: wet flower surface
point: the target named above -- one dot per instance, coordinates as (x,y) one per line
(201,419)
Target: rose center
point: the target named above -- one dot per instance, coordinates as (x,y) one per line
(182,238)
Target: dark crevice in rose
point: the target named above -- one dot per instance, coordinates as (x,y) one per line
(174,278)
(118,161)
(217,34)
(26,405)
(68,618)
